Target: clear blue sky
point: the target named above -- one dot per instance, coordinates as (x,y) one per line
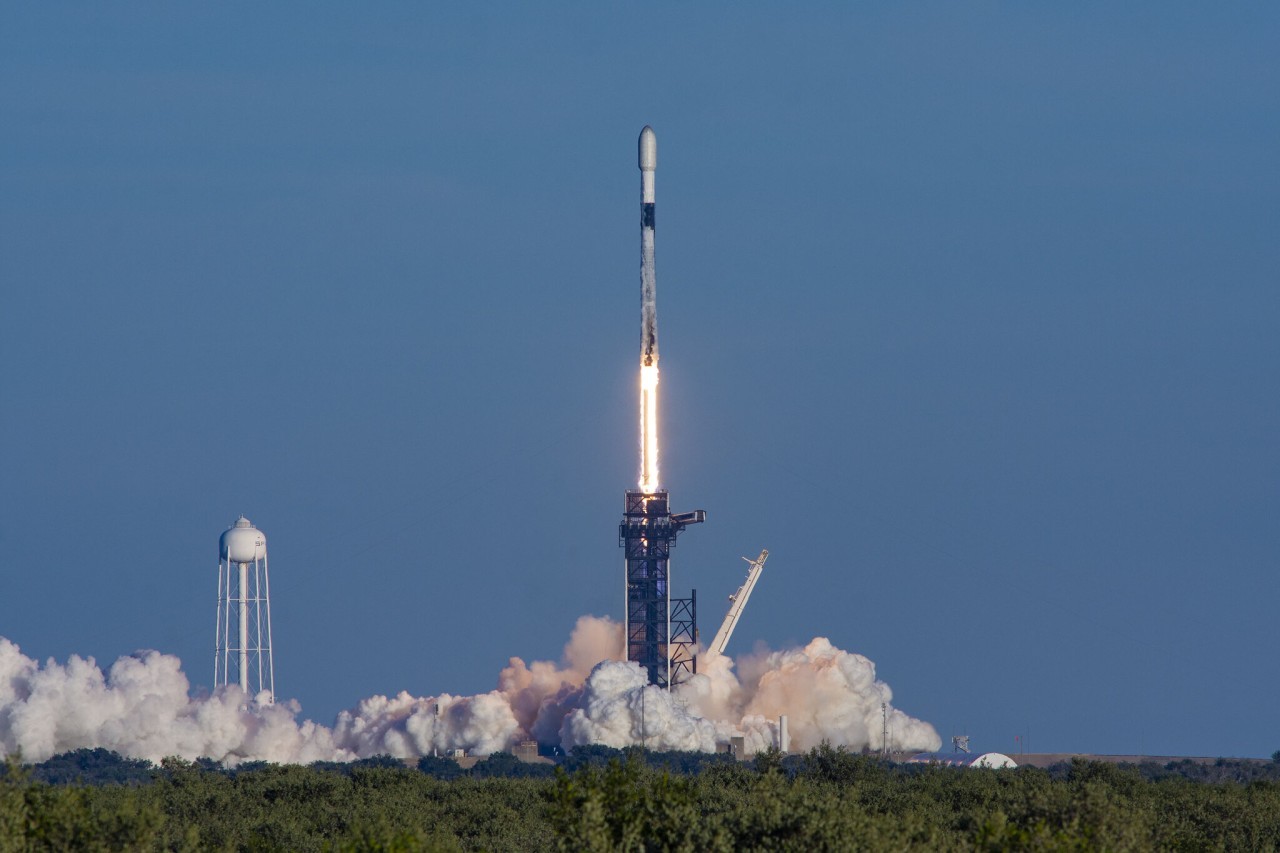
(968,313)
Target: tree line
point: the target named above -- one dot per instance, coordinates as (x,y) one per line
(599,799)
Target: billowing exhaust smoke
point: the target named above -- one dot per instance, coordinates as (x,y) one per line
(142,707)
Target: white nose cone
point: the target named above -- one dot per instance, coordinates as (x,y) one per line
(648,150)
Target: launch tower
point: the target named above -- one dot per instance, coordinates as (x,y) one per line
(661,632)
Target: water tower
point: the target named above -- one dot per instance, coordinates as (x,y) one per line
(242,645)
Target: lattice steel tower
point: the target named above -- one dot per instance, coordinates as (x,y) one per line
(661,631)
(242,641)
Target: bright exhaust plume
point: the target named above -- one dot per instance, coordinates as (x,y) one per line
(649,428)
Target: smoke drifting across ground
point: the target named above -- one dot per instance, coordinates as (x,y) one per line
(142,707)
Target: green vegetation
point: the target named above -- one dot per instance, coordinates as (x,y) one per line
(828,799)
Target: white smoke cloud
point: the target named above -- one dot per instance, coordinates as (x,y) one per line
(142,707)
(830,695)
(542,694)
(619,708)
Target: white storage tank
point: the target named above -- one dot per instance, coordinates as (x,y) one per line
(243,543)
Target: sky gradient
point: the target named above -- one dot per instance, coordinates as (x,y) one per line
(968,314)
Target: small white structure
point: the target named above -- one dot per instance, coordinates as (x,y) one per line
(242,640)
(964,759)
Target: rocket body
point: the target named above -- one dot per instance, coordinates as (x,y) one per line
(648,280)
(648,161)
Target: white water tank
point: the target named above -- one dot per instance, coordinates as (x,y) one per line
(243,543)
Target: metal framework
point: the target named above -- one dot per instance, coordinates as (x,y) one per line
(738,603)
(684,637)
(661,632)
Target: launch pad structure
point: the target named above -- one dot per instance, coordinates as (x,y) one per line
(661,632)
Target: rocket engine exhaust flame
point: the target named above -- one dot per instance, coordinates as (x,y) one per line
(649,429)
(648,161)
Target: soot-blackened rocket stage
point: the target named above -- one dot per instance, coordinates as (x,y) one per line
(661,631)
